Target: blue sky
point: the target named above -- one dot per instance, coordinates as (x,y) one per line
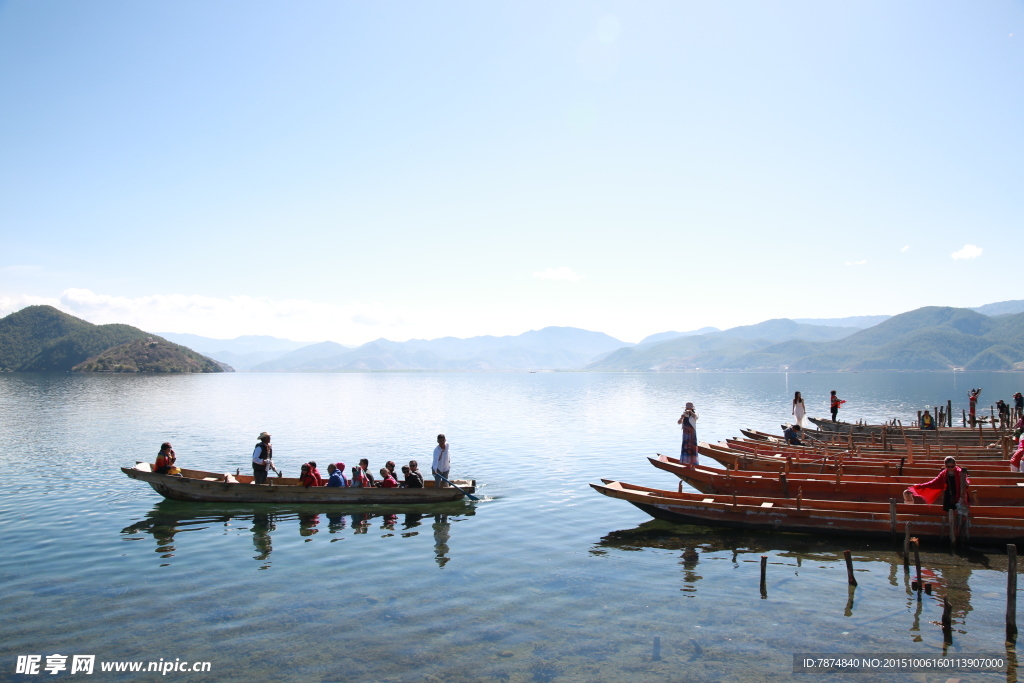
(348,171)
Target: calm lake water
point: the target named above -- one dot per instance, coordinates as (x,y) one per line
(542,580)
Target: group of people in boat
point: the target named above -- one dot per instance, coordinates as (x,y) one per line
(309,476)
(361,476)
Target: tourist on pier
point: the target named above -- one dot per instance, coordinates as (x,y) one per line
(413,478)
(799,409)
(441,464)
(792,435)
(364,465)
(262,459)
(387,481)
(336,475)
(688,453)
(949,485)
(165,459)
(972,397)
(834,403)
(1018,406)
(927,421)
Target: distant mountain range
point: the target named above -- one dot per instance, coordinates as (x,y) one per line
(242,353)
(989,337)
(930,338)
(43,339)
(547,349)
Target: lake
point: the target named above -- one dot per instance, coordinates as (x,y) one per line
(541,580)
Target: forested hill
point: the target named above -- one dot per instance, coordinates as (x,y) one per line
(43,339)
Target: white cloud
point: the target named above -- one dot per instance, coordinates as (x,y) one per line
(968,252)
(905,248)
(857,263)
(563,273)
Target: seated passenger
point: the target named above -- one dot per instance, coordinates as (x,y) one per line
(164,459)
(386,480)
(792,435)
(337,475)
(390,465)
(316,473)
(364,465)
(306,477)
(927,421)
(358,478)
(413,479)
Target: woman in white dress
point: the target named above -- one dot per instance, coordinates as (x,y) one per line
(799,409)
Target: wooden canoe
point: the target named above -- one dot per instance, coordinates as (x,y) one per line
(731,459)
(926,452)
(870,489)
(771,460)
(744,451)
(813,517)
(208,487)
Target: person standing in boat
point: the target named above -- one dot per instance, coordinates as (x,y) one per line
(799,409)
(972,398)
(688,453)
(951,485)
(262,459)
(834,403)
(442,464)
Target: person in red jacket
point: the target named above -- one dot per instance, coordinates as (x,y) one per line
(306,477)
(951,485)
(316,474)
(387,480)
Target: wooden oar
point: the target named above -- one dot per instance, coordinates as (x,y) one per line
(464,492)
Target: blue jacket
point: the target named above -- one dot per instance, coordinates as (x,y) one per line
(337,479)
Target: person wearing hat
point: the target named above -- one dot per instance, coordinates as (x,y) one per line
(688,454)
(262,459)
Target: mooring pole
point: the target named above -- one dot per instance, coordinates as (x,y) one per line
(849,568)
(1011,593)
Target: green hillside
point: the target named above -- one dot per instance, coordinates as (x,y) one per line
(152,354)
(43,339)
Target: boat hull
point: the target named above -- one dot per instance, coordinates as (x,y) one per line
(783,516)
(209,490)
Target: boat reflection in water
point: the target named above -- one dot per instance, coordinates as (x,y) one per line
(821,562)
(169,518)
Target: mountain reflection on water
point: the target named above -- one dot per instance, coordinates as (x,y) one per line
(168,518)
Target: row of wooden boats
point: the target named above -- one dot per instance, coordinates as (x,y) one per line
(766,484)
(210,487)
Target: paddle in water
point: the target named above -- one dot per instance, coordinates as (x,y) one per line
(466,493)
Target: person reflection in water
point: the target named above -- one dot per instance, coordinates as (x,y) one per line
(441,536)
(308,523)
(262,525)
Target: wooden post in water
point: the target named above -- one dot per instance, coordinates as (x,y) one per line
(949,413)
(917,563)
(919,418)
(1011,593)
(764,578)
(849,568)
(892,518)
(900,473)
(906,549)
(947,620)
